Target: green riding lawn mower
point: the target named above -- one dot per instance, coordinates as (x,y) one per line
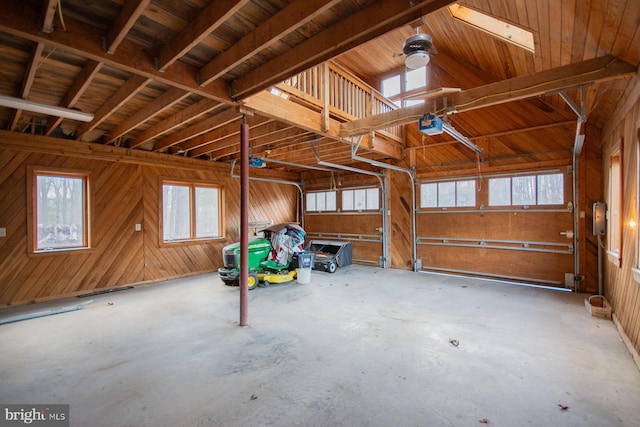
(271,259)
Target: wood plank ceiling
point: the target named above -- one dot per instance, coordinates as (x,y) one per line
(167,75)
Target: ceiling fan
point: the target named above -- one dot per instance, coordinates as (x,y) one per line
(416,50)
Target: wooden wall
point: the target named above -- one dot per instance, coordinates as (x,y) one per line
(125,193)
(622,290)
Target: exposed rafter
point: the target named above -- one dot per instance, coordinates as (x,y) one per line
(129,14)
(80,84)
(279,25)
(125,93)
(357,28)
(208,20)
(86,42)
(28,80)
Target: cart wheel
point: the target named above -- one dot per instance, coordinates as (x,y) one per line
(252,281)
(266,284)
(332,267)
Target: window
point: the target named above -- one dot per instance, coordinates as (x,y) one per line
(391,86)
(530,190)
(361,199)
(400,87)
(412,102)
(415,79)
(191,211)
(321,201)
(60,206)
(614,223)
(448,194)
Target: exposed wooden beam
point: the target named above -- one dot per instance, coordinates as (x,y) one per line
(283,135)
(263,129)
(279,25)
(122,95)
(595,70)
(48,13)
(590,71)
(191,112)
(85,41)
(210,18)
(230,137)
(80,84)
(219,134)
(44,144)
(362,26)
(208,124)
(155,107)
(27,82)
(496,134)
(129,14)
(283,110)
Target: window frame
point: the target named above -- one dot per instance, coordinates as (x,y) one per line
(615,206)
(324,192)
(455,184)
(404,96)
(536,181)
(33,171)
(365,191)
(192,184)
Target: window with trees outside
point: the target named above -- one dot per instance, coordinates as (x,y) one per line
(448,194)
(60,206)
(527,190)
(191,212)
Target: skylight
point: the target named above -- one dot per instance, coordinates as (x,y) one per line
(493,26)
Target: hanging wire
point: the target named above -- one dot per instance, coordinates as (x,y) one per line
(64,27)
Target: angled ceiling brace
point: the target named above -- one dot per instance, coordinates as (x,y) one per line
(344,167)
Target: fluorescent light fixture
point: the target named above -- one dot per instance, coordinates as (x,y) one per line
(451,131)
(50,110)
(493,26)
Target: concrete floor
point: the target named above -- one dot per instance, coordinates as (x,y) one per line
(361,347)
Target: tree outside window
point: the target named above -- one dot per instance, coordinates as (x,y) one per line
(190,212)
(60,212)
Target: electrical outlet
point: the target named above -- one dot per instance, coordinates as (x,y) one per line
(138,227)
(3,232)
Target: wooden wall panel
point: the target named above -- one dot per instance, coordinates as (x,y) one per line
(124,193)
(115,258)
(400,221)
(621,288)
(326,225)
(497,262)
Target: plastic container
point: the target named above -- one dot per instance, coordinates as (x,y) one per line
(303,275)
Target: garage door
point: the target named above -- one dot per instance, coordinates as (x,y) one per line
(516,227)
(348,214)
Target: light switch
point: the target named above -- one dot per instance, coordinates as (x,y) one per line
(3,232)
(138,227)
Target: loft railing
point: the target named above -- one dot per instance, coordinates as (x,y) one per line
(345,96)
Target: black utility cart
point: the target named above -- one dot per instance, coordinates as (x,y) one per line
(329,255)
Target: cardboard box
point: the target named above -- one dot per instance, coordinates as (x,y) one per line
(598,306)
